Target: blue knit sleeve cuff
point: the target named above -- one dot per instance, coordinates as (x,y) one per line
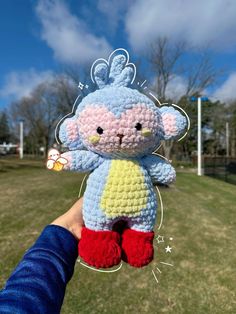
(58,240)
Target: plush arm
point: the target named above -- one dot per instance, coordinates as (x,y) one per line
(82,160)
(159,169)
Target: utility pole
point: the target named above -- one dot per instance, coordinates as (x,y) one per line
(21,148)
(199,132)
(199,136)
(227,139)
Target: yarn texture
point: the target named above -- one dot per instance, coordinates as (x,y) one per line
(113,133)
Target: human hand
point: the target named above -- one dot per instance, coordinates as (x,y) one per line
(72,220)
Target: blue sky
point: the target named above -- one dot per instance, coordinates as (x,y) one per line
(41,37)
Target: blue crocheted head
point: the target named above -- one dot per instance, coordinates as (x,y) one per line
(117,120)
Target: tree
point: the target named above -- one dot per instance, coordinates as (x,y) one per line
(4,128)
(231,118)
(166,59)
(42,110)
(213,127)
(65,88)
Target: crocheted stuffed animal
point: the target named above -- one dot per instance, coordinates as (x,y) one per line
(113,133)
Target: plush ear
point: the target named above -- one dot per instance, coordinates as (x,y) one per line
(174,123)
(69,134)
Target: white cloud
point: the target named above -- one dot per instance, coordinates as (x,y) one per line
(67,35)
(227,91)
(114,11)
(200,23)
(19,84)
(176,88)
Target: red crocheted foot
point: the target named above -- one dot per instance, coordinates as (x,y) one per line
(100,249)
(137,248)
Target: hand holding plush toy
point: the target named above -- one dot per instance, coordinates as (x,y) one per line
(113,133)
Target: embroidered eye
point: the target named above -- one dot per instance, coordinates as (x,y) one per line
(99,130)
(138,126)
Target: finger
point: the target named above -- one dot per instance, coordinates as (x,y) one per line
(75,212)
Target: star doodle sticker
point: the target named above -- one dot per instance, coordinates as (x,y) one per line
(160,239)
(81,86)
(168,249)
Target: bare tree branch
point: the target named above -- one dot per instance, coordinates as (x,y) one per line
(164,58)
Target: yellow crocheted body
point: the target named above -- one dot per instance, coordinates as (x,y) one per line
(125,193)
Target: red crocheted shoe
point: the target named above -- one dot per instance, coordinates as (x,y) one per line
(137,248)
(100,249)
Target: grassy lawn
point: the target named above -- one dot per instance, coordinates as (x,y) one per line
(200,216)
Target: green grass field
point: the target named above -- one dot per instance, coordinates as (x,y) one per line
(200,216)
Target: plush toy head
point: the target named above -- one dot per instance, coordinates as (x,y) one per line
(118,121)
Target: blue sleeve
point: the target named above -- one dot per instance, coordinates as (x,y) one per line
(38,283)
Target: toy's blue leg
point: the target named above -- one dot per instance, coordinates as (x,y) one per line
(143,224)
(94,218)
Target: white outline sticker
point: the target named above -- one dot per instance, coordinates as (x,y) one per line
(101,270)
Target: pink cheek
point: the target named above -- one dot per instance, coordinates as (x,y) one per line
(107,138)
(129,123)
(92,118)
(129,132)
